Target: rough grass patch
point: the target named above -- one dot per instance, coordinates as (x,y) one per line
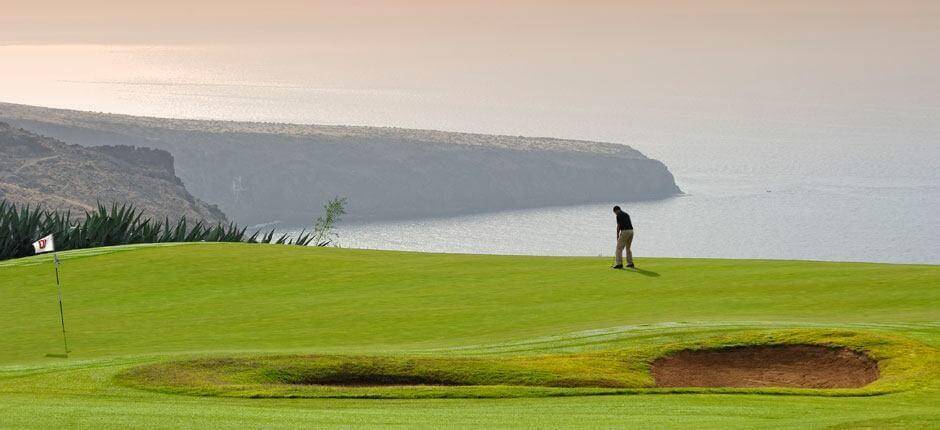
(903,364)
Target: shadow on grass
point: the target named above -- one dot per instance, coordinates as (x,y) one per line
(649,273)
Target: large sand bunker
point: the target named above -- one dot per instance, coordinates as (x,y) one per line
(799,366)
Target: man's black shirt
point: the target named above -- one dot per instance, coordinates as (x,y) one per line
(623,221)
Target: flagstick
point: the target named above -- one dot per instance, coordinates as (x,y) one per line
(65,340)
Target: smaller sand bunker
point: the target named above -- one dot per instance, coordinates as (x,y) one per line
(797,366)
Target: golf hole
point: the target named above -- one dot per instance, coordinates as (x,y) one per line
(792,366)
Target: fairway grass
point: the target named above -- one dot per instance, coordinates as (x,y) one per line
(137,308)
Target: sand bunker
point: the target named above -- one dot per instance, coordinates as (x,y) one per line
(377,379)
(801,366)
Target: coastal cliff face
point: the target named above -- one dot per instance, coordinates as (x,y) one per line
(38,170)
(261,172)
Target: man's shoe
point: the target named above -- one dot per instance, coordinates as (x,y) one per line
(631,266)
(619,266)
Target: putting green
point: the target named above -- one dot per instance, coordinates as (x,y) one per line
(136,308)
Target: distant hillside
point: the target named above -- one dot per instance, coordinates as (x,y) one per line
(40,170)
(259,172)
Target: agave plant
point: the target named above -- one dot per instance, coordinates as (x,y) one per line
(17,228)
(120,225)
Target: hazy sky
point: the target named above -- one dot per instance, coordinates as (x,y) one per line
(598,69)
(486,23)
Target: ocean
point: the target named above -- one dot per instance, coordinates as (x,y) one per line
(771,166)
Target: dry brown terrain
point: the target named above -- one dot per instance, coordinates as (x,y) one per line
(264,172)
(38,170)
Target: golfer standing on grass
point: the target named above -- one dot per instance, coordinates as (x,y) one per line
(624,238)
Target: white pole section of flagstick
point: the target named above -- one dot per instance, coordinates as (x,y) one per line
(65,340)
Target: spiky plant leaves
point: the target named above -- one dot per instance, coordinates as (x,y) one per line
(126,224)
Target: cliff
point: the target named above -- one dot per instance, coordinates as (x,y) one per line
(39,170)
(260,172)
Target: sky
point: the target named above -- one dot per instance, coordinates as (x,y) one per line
(486,23)
(491,66)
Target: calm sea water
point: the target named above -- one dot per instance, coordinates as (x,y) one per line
(871,205)
(774,164)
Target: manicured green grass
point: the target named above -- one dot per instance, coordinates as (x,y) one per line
(133,307)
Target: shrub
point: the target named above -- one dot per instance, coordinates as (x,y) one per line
(117,225)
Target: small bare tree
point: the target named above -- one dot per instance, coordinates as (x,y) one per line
(333,211)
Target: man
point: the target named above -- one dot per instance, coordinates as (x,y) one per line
(624,238)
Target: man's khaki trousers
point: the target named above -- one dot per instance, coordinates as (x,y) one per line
(624,242)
